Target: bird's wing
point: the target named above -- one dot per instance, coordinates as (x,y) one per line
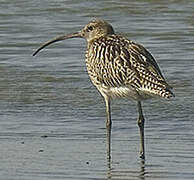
(148,76)
(118,62)
(144,62)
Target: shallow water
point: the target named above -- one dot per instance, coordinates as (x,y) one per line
(52,120)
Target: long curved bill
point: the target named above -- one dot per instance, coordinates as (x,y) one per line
(56,39)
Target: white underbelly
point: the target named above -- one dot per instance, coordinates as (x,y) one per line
(120,92)
(124,92)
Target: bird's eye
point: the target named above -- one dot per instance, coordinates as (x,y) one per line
(90,28)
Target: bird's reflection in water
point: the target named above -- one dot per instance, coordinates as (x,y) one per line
(109,167)
(142,170)
(140,173)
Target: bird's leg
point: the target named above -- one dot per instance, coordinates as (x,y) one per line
(108,127)
(140,122)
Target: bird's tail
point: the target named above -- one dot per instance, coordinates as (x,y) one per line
(166,93)
(159,88)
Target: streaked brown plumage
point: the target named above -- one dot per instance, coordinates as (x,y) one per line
(115,62)
(119,67)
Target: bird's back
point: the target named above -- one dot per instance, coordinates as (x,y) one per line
(122,68)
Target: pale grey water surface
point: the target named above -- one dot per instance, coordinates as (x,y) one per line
(52,120)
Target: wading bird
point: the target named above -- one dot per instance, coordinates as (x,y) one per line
(119,68)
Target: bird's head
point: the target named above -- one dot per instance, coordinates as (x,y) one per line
(96,29)
(93,30)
